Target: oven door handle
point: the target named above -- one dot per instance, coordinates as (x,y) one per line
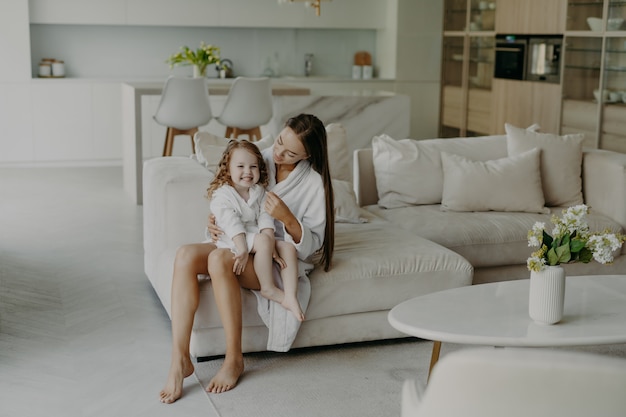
(503,49)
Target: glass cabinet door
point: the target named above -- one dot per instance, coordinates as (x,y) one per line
(481,61)
(581,83)
(452,85)
(617,15)
(584,15)
(482,15)
(614,96)
(455,15)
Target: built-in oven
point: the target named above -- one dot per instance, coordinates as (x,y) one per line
(510,56)
(528,57)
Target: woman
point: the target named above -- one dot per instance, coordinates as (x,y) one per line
(304,213)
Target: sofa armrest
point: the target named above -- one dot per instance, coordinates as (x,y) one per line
(364,177)
(604,183)
(175,207)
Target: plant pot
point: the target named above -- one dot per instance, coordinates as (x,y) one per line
(547,295)
(199,72)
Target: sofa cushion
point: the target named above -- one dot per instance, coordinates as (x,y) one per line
(409,171)
(561,162)
(346,208)
(375,267)
(485,239)
(505,184)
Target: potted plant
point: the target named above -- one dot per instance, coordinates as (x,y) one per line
(570,241)
(200,58)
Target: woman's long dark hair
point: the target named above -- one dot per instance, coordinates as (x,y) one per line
(312,133)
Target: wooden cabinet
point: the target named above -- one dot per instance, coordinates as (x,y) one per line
(530,16)
(594,73)
(523,103)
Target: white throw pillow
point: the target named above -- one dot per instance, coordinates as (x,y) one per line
(209,148)
(505,184)
(400,166)
(561,162)
(346,208)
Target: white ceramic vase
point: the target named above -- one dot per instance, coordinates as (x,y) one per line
(547,295)
(199,72)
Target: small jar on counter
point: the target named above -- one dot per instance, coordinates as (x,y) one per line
(45,69)
(58,68)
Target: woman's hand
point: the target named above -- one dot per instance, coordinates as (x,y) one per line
(241,259)
(280,261)
(276,207)
(215,231)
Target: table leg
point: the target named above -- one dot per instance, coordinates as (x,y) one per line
(434,357)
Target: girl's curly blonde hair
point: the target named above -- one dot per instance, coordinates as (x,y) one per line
(222,176)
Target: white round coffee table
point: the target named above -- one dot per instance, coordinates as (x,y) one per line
(496,314)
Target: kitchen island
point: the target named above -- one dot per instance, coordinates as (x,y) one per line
(363,113)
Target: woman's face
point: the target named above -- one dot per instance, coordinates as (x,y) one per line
(288,149)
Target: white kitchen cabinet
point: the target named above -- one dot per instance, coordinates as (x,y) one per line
(62,121)
(83,12)
(173,12)
(16,140)
(106,128)
(345,14)
(14,41)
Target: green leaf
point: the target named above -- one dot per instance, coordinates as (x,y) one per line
(563,253)
(577,245)
(553,258)
(547,239)
(585,255)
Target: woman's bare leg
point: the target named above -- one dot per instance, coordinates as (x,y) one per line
(264,267)
(290,278)
(190,261)
(227,290)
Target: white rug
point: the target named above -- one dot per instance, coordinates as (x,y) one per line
(346,380)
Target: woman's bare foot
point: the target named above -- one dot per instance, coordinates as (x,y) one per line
(179,370)
(227,377)
(292,304)
(273,293)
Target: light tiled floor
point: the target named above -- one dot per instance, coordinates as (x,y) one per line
(82,333)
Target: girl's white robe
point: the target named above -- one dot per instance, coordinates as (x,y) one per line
(234,215)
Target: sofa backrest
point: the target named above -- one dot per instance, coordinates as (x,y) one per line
(481,148)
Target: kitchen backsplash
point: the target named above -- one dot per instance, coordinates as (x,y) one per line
(140,51)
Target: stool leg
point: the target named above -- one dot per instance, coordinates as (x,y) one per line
(169,142)
(192,132)
(229,131)
(255,132)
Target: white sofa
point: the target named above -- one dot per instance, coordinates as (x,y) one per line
(398,254)
(375,266)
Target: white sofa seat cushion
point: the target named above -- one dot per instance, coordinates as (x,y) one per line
(485,239)
(375,266)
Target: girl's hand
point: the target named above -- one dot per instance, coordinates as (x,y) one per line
(276,207)
(241,259)
(280,261)
(214,231)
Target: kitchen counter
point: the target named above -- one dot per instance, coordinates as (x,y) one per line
(363,112)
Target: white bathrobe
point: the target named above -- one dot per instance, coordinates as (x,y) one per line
(303,192)
(234,215)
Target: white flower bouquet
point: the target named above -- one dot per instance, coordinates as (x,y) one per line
(571,241)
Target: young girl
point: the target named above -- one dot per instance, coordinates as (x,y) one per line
(237,196)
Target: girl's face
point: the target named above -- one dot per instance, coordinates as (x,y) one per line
(288,149)
(243,169)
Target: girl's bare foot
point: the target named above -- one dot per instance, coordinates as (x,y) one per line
(273,293)
(227,377)
(179,370)
(292,304)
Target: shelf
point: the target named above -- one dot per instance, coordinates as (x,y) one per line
(582,67)
(597,51)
